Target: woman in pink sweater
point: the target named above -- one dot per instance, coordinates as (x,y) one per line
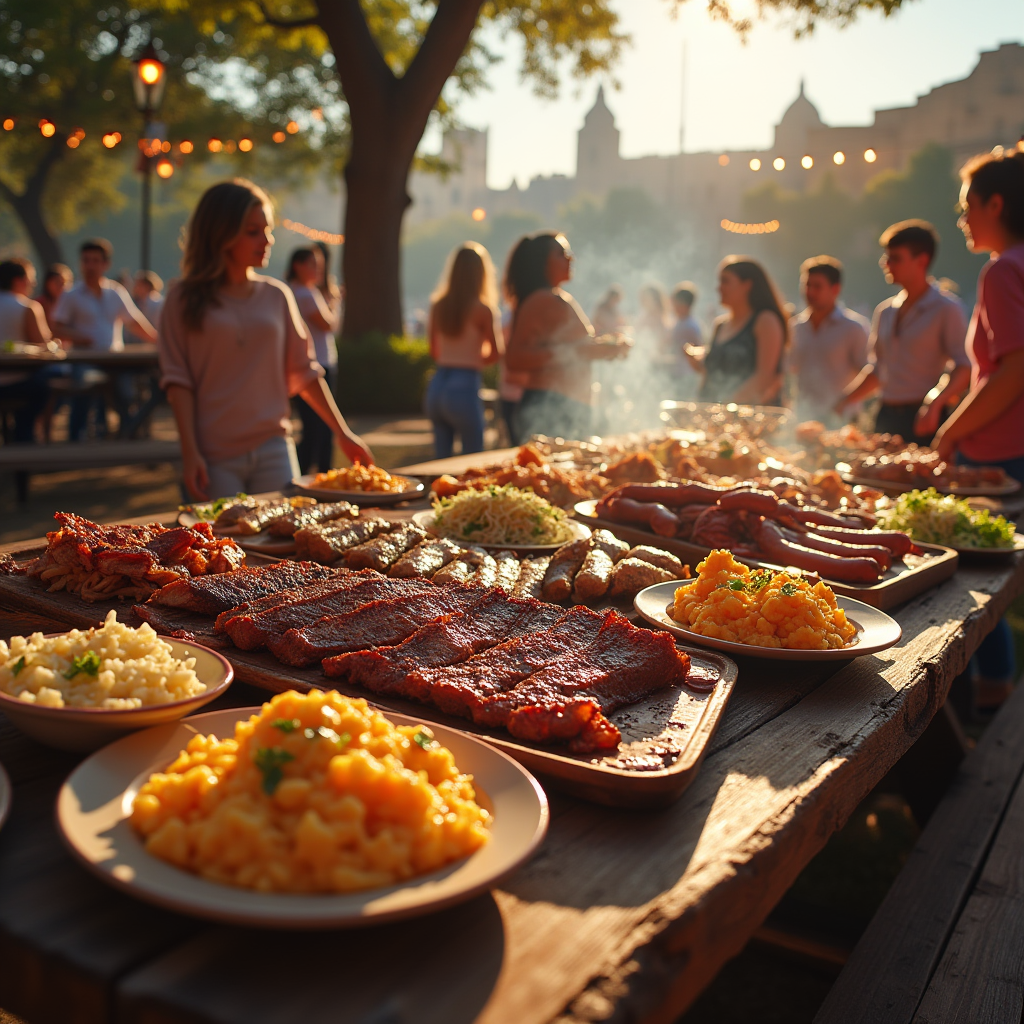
(234,349)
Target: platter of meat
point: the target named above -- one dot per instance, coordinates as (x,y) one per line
(881,568)
(920,468)
(608,710)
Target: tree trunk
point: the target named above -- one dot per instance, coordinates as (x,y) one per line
(375,203)
(29,210)
(28,205)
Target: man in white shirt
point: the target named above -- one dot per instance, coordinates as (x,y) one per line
(917,336)
(829,343)
(91,315)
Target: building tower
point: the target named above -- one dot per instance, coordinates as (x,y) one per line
(597,148)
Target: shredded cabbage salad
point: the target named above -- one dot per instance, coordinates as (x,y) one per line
(933,518)
(501,515)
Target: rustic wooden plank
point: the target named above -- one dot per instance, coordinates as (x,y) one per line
(65,937)
(437,972)
(626,916)
(889,970)
(980,979)
(458,463)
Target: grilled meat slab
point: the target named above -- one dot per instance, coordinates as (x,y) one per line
(329,541)
(211,595)
(381,623)
(445,641)
(311,515)
(254,519)
(250,632)
(425,559)
(382,552)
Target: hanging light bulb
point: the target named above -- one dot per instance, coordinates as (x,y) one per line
(164,168)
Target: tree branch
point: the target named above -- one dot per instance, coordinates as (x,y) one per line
(270,19)
(364,73)
(443,45)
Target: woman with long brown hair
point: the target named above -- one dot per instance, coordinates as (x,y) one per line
(465,335)
(743,363)
(233,349)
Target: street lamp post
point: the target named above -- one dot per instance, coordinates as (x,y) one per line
(149,77)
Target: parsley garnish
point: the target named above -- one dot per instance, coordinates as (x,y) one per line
(788,589)
(425,738)
(18,665)
(287,724)
(326,733)
(89,663)
(270,761)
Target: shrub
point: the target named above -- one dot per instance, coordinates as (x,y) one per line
(378,373)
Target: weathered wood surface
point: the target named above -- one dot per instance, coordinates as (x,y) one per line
(890,969)
(622,916)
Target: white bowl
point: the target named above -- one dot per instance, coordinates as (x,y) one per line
(84,730)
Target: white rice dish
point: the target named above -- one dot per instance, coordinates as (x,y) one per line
(114,667)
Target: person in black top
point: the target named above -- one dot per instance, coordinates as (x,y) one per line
(743,363)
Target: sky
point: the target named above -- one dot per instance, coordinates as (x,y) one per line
(735,93)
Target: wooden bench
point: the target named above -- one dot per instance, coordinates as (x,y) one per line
(947,944)
(25,459)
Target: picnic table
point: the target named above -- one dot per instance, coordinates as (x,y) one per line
(621,915)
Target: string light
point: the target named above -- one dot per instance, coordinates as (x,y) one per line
(807,162)
(767,228)
(215,145)
(291,127)
(723,160)
(755,164)
(870,156)
(479,214)
(8,123)
(185,147)
(838,157)
(245,145)
(74,143)
(47,128)
(279,136)
(164,168)
(779,164)
(314,234)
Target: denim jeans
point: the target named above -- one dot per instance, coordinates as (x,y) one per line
(271,467)
(454,407)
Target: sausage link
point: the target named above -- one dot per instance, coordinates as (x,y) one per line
(774,546)
(883,556)
(652,514)
(898,543)
(816,516)
(671,494)
(764,503)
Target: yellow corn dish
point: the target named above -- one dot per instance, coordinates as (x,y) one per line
(317,793)
(763,608)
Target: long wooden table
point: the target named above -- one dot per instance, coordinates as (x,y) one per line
(622,915)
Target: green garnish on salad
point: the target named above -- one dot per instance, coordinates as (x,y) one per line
(209,511)
(933,518)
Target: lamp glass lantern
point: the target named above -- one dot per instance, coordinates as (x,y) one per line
(149,79)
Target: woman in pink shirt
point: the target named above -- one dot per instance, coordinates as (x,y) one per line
(234,349)
(987,428)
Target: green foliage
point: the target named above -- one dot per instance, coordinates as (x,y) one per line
(829,220)
(382,374)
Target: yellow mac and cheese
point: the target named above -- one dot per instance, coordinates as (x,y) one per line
(317,793)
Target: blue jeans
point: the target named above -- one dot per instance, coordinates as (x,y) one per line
(995,658)
(271,467)
(454,407)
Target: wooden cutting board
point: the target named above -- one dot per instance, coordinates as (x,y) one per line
(664,737)
(906,577)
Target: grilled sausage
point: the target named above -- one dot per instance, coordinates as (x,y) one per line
(651,514)
(531,577)
(632,575)
(595,576)
(565,563)
(670,494)
(609,544)
(662,559)
(898,543)
(774,546)
(883,556)
(507,570)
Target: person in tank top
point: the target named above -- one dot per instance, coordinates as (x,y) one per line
(743,362)
(464,328)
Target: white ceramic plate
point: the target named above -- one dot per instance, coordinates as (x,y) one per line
(876,631)
(366,499)
(5,796)
(579,531)
(94,804)
(86,729)
(899,487)
(992,554)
